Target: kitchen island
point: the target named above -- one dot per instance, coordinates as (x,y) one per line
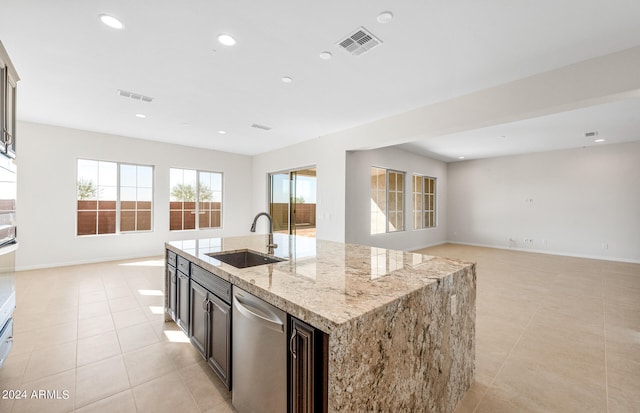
(400,326)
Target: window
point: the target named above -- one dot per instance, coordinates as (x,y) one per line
(387,195)
(195,200)
(424,202)
(113,197)
(136,194)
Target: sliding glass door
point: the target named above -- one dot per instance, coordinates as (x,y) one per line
(292,202)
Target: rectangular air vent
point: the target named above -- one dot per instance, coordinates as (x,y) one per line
(591,134)
(359,42)
(132,95)
(263,127)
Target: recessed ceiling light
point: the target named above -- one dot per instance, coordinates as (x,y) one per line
(140,115)
(226,40)
(385,17)
(111,21)
(287,79)
(460,157)
(599,140)
(326,55)
(222,132)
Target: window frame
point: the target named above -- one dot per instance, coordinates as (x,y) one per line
(197,211)
(118,209)
(422,194)
(398,192)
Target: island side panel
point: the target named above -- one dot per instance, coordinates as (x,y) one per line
(412,355)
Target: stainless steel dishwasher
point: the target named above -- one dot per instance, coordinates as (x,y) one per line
(259,361)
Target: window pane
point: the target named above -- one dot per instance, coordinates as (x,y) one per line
(127,221)
(127,175)
(145,176)
(136,194)
(209,197)
(87,222)
(145,194)
(107,222)
(107,174)
(127,193)
(180,193)
(88,170)
(143,220)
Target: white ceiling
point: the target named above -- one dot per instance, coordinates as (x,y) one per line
(71,66)
(615,122)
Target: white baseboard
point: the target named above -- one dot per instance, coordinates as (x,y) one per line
(83,262)
(536,251)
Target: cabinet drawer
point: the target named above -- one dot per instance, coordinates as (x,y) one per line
(212,282)
(171,258)
(183,265)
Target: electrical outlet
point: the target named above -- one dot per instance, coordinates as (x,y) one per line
(605,246)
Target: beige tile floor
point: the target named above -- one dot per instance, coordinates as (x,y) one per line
(98,332)
(554,334)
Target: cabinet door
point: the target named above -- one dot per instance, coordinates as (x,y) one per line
(199,318)
(182,304)
(301,351)
(220,339)
(171,291)
(307,368)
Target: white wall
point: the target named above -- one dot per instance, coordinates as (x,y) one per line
(328,156)
(47,159)
(358,198)
(47,194)
(594,81)
(575,200)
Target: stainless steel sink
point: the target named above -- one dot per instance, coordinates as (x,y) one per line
(244,259)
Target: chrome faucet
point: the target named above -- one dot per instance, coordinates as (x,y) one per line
(270,245)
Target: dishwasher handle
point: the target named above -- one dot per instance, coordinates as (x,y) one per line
(273,322)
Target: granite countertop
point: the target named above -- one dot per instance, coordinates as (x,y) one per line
(323,283)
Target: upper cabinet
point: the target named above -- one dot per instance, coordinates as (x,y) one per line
(8,82)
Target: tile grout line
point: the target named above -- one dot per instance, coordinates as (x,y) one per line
(604,328)
(505,360)
(75,381)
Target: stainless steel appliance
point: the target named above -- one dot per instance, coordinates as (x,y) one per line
(259,362)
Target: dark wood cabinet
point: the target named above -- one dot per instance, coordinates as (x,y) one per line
(182,301)
(211,322)
(307,368)
(199,318)
(172,279)
(219,343)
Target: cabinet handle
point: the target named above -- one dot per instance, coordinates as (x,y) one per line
(205,305)
(291,349)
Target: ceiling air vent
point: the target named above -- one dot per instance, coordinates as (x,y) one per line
(359,42)
(263,127)
(591,134)
(132,95)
